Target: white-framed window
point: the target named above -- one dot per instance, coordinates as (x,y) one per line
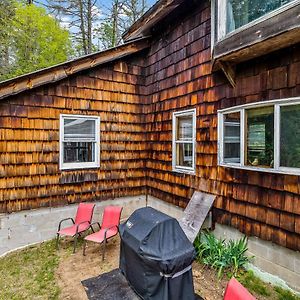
(262,136)
(79,142)
(184,141)
(236,15)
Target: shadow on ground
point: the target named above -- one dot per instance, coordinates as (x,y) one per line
(111,286)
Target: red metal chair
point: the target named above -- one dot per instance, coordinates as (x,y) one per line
(236,291)
(82,223)
(108,229)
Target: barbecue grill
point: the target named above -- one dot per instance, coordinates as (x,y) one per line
(156,256)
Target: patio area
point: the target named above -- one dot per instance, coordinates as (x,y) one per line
(46,273)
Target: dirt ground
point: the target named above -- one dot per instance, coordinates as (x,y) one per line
(74,268)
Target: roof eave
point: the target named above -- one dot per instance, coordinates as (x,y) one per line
(58,72)
(141,28)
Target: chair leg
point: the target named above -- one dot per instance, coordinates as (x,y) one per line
(57,241)
(104,246)
(84,246)
(75,243)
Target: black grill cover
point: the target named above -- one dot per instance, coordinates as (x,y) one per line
(154,251)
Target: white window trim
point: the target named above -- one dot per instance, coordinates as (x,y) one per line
(221,22)
(181,169)
(241,108)
(79,165)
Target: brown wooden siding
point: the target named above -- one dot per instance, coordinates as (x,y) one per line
(29,145)
(135,101)
(178,77)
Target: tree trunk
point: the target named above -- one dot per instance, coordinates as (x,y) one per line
(89,25)
(115,22)
(82,28)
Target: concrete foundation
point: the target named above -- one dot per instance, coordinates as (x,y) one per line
(18,230)
(272,263)
(25,228)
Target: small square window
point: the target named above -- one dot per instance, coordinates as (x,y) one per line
(79,142)
(184,138)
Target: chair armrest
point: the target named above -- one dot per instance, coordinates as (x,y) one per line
(77,225)
(106,229)
(95,223)
(59,225)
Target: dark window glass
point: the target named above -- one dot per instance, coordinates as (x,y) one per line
(290,136)
(242,12)
(79,152)
(260,137)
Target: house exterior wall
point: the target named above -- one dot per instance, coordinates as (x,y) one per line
(135,99)
(29,128)
(179,77)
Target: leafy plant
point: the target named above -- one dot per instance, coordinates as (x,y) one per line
(221,255)
(31,40)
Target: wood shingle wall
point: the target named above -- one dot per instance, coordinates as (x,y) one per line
(29,144)
(178,77)
(135,99)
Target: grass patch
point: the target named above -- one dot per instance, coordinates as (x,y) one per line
(253,283)
(256,286)
(30,273)
(284,294)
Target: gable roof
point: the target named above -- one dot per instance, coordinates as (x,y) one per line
(142,27)
(58,72)
(136,39)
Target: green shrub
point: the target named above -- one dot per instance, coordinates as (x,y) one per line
(221,255)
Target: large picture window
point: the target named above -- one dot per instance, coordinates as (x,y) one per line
(184,137)
(262,136)
(234,14)
(79,142)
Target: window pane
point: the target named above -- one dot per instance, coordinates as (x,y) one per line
(79,152)
(260,137)
(79,129)
(232,138)
(290,136)
(184,155)
(241,12)
(184,128)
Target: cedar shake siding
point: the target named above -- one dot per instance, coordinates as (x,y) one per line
(135,98)
(178,77)
(29,146)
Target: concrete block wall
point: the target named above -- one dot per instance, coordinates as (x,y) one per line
(271,262)
(24,228)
